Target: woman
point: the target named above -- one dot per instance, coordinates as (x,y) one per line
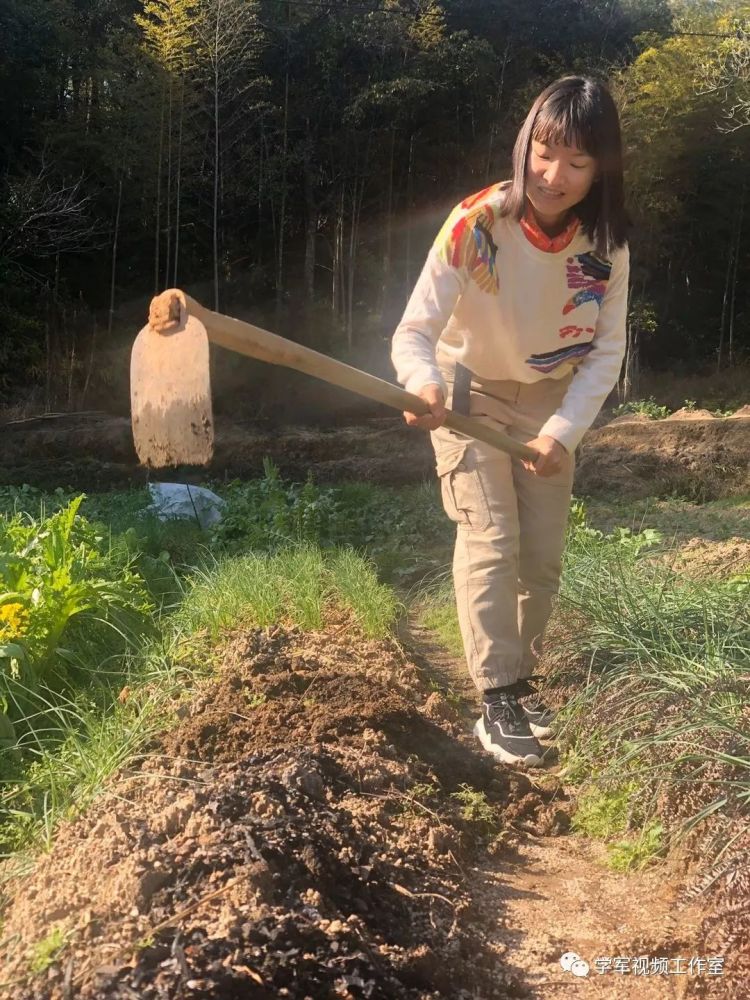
(524,288)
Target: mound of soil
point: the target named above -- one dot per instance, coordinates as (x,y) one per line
(701,559)
(699,459)
(626,418)
(96,452)
(301,832)
(691,455)
(687,414)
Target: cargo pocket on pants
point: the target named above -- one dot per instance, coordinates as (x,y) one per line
(464,499)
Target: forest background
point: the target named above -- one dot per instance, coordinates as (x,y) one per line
(290,161)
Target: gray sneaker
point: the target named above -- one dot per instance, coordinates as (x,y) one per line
(541,717)
(503,729)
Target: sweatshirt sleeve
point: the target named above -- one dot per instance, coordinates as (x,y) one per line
(426,315)
(599,370)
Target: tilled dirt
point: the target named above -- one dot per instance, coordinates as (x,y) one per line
(96,452)
(700,559)
(691,454)
(303,831)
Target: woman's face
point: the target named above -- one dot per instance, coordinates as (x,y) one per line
(557,178)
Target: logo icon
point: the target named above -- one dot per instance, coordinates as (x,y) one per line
(572,962)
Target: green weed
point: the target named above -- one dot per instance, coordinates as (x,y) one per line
(607,813)
(63,571)
(453,697)
(48,950)
(603,813)
(638,851)
(423,791)
(419,799)
(291,585)
(69,746)
(397,529)
(475,807)
(583,756)
(649,407)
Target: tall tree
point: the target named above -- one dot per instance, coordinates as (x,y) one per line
(168,28)
(228,48)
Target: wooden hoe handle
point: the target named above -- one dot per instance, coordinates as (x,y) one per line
(244,338)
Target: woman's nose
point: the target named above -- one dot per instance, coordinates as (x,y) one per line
(553,172)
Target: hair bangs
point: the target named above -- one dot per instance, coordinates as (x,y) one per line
(563,123)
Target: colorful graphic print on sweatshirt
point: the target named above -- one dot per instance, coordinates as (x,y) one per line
(550,360)
(588,274)
(466,238)
(587,277)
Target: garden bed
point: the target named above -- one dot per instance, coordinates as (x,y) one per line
(301,831)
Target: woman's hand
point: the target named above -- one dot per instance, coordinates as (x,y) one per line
(552,456)
(432,394)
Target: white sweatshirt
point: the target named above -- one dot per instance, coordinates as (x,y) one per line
(508,310)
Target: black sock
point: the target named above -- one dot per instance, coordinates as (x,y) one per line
(490,693)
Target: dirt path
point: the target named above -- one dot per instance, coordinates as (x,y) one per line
(554,895)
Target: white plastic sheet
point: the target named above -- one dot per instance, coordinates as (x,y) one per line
(181,500)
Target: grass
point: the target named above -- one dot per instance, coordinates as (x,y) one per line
(665,662)
(355,584)
(70,745)
(295,586)
(289,565)
(436,605)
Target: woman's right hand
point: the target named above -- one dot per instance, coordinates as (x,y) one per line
(432,394)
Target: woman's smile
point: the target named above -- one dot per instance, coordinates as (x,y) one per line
(550,193)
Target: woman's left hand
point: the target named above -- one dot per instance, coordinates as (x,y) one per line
(552,456)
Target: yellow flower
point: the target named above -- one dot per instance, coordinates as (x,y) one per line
(13,618)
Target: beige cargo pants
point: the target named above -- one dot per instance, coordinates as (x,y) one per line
(510,530)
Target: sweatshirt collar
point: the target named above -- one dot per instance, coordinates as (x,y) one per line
(539,239)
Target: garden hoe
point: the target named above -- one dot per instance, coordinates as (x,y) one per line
(170,388)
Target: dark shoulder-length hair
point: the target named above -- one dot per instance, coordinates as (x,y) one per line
(577,110)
